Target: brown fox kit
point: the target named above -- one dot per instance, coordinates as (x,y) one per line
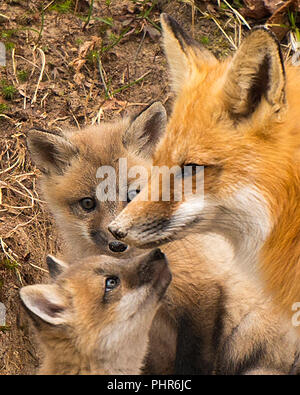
(238,118)
(212,319)
(101,328)
(69,163)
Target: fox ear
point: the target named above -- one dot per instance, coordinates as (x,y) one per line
(50,152)
(183,52)
(256,72)
(44,302)
(55,266)
(145,130)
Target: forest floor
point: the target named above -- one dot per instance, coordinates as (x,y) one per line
(71,63)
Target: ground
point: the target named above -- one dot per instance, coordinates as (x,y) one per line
(70,63)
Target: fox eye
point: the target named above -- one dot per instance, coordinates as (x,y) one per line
(111,283)
(191,169)
(132,194)
(88,204)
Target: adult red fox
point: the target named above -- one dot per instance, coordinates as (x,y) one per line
(240,119)
(95,318)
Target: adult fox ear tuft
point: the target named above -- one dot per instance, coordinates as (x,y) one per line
(145,130)
(256,73)
(184,54)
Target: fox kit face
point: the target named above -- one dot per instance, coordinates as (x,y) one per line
(228,117)
(103,327)
(69,163)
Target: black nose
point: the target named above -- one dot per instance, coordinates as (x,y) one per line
(117,246)
(118,234)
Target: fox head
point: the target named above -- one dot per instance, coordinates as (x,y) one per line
(230,117)
(103,326)
(69,163)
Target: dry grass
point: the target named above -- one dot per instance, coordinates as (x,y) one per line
(22,212)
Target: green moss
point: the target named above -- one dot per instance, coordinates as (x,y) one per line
(63,7)
(92,57)
(23,75)
(3,108)
(107,20)
(79,41)
(9,46)
(7,91)
(8,263)
(5,328)
(204,40)
(7,34)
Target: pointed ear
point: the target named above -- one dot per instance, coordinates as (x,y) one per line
(50,152)
(145,130)
(183,52)
(55,266)
(256,72)
(43,301)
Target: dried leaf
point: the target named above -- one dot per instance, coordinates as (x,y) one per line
(259,9)
(153,33)
(255,9)
(280,17)
(82,6)
(273,5)
(78,78)
(79,62)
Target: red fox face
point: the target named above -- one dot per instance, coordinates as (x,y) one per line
(98,312)
(229,117)
(70,162)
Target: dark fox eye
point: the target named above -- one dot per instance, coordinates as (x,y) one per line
(132,194)
(88,204)
(111,283)
(191,169)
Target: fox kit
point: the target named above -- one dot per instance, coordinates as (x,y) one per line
(69,163)
(211,320)
(239,119)
(101,328)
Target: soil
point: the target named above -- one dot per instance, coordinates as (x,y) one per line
(52,80)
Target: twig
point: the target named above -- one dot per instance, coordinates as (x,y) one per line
(238,15)
(107,93)
(48,5)
(140,46)
(131,83)
(14,64)
(20,226)
(225,34)
(37,267)
(8,253)
(41,75)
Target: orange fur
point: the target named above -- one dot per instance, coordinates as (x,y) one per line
(250,148)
